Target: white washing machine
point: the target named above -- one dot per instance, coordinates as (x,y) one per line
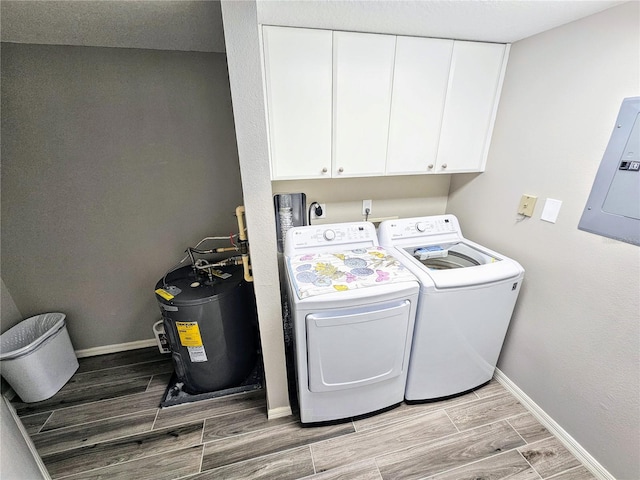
(353,307)
(467,297)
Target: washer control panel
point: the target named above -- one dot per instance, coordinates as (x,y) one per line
(418,227)
(326,237)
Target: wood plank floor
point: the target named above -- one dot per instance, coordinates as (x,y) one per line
(105,423)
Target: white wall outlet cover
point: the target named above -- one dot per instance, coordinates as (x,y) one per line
(551,210)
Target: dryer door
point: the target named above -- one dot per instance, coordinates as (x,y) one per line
(355,347)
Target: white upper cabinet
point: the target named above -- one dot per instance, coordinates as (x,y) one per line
(298,76)
(363,76)
(475,81)
(345,104)
(420,82)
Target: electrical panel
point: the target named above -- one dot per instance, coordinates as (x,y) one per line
(613,207)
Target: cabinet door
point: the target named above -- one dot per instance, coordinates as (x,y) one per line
(475,81)
(363,73)
(419,90)
(298,77)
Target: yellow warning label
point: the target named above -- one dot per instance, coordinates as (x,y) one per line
(164,294)
(189,334)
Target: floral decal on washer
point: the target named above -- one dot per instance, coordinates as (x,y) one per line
(322,273)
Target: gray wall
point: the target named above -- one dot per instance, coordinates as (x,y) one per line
(113,162)
(574,341)
(9,313)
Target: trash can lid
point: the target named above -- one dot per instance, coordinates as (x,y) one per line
(27,335)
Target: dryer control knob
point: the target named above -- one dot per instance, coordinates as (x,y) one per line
(329,235)
(421,226)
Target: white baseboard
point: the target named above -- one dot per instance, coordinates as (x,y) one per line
(278,412)
(550,424)
(119,347)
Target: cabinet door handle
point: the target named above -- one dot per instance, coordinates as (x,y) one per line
(340,170)
(430,166)
(324,170)
(444,165)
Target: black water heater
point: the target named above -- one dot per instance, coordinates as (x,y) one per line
(211,323)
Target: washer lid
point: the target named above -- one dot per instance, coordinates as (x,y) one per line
(461,264)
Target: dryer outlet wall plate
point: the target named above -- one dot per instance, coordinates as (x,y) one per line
(527,204)
(367,204)
(324,212)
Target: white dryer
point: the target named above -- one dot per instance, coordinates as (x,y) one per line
(353,307)
(467,297)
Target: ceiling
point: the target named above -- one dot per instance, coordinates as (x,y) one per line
(504,21)
(153,24)
(191,25)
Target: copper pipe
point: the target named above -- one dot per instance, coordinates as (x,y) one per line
(226,249)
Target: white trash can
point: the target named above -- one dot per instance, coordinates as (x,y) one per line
(37,357)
